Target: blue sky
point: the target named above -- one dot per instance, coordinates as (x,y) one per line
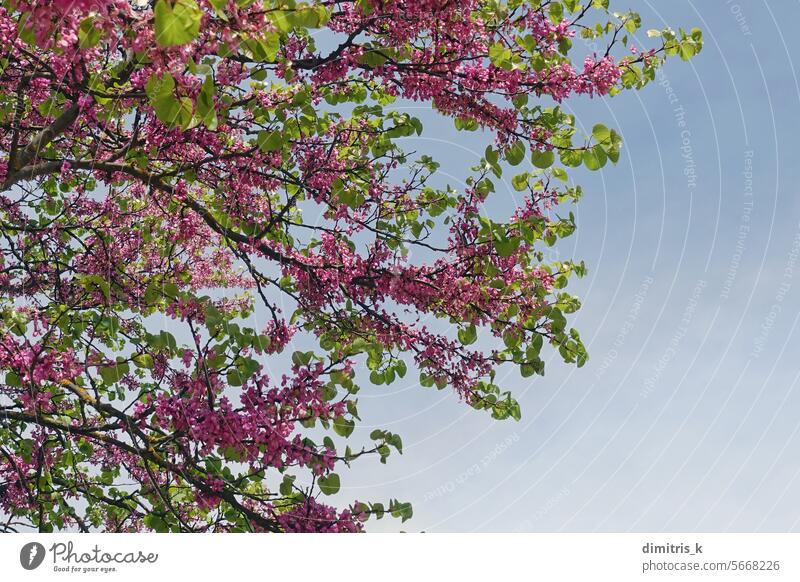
(686,416)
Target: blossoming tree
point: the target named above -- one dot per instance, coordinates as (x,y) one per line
(170,168)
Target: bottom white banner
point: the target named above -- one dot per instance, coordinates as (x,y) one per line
(422,557)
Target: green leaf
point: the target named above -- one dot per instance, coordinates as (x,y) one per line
(343,427)
(88,34)
(571,158)
(144,361)
(232,454)
(112,374)
(302,358)
(329,484)
(556,12)
(601,133)
(26,449)
(219,8)
(520,182)
(542,159)
(206,111)
(171,110)
(506,246)
(401,510)
(560,174)
(235,378)
(396,442)
(167,340)
(468,335)
(156,523)
(687,50)
(516,153)
(177,23)
(86,448)
(286,485)
(512,339)
(500,56)
(593,159)
(269,141)
(271,42)
(265,48)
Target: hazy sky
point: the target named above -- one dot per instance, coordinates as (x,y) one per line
(687,415)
